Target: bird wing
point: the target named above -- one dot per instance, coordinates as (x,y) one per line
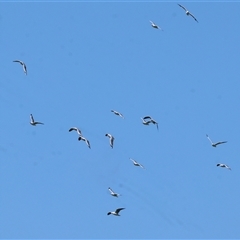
(182,7)
(134,161)
(18,61)
(147,117)
(118,210)
(220,142)
(24,68)
(111,191)
(88,143)
(228,167)
(141,165)
(209,139)
(31,118)
(39,123)
(72,129)
(193,17)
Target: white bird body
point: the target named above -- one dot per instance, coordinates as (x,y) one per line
(116,212)
(147,120)
(85,140)
(32,122)
(155,25)
(111,139)
(23,65)
(215,144)
(114,194)
(187,12)
(135,163)
(76,129)
(223,166)
(117,113)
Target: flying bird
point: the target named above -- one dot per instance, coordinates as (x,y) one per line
(215,144)
(85,140)
(135,163)
(117,113)
(113,193)
(147,120)
(23,65)
(155,25)
(111,139)
(188,13)
(116,213)
(76,129)
(223,166)
(32,122)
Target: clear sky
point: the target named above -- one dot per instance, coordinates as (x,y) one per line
(85,59)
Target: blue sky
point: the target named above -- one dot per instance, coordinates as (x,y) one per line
(86,58)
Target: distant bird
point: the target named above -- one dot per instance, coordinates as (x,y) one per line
(155,25)
(23,65)
(117,113)
(136,163)
(215,144)
(116,213)
(223,166)
(111,139)
(32,122)
(76,129)
(147,120)
(113,193)
(188,13)
(85,140)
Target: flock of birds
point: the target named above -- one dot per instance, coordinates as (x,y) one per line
(147,120)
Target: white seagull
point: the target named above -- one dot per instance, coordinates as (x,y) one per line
(223,165)
(32,122)
(111,139)
(155,25)
(116,213)
(76,129)
(215,144)
(85,140)
(135,163)
(187,12)
(117,113)
(147,120)
(23,65)
(113,193)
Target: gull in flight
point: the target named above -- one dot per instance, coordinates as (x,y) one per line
(117,113)
(76,129)
(187,12)
(23,65)
(116,213)
(111,139)
(215,144)
(113,193)
(135,163)
(223,165)
(32,122)
(147,120)
(155,25)
(85,140)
